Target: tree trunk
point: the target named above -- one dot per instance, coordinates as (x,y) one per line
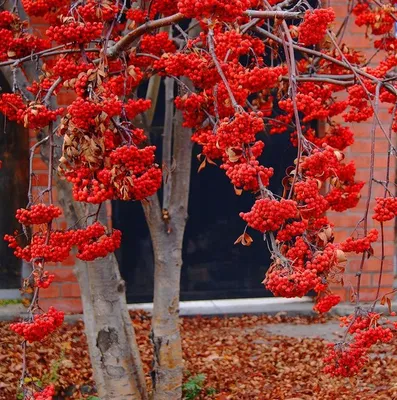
(168,362)
(167,239)
(113,349)
(114,353)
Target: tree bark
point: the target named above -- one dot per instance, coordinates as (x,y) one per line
(167,239)
(113,349)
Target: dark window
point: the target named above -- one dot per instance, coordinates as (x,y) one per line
(14,150)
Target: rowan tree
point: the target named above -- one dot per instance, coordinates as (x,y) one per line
(232,70)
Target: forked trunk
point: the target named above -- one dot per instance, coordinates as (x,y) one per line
(167,229)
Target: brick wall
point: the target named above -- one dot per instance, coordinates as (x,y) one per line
(360,152)
(64,292)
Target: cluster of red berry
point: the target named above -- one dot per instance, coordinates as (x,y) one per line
(312,203)
(131,175)
(16,41)
(201,9)
(239,130)
(6,19)
(314,26)
(296,283)
(76,32)
(56,249)
(39,8)
(37,116)
(165,7)
(98,11)
(41,326)
(37,214)
(136,15)
(68,67)
(11,105)
(44,280)
(359,245)
(344,197)
(42,86)
(246,175)
(92,242)
(120,84)
(360,107)
(269,215)
(33,116)
(346,359)
(194,66)
(385,208)
(232,44)
(135,107)
(291,230)
(378,20)
(326,302)
(337,136)
(156,45)
(47,393)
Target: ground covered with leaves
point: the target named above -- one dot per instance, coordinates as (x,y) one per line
(225,358)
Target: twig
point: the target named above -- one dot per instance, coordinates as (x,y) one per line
(370,184)
(31,173)
(218,67)
(290,57)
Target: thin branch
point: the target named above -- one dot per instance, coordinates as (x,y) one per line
(167,141)
(274,14)
(218,67)
(290,57)
(124,43)
(31,173)
(45,53)
(319,78)
(370,184)
(127,40)
(51,91)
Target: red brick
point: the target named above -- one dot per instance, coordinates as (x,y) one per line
(364,146)
(363,160)
(32,134)
(372,264)
(68,305)
(38,21)
(340,291)
(344,220)
(52,291)
(69,262)
(40,179)
(350,279)
(387,280)
(39,164)
(65,97)
(63,274)
(389,249)
(70,290)
(368,294)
